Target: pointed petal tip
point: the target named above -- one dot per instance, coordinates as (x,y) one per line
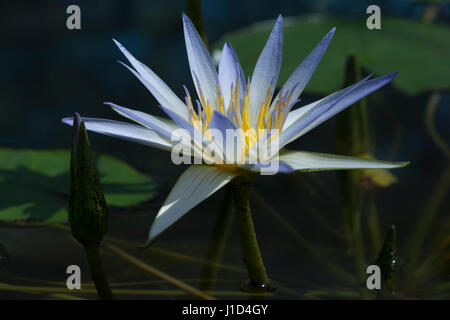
(367,78)
(144,246)
(77,119)
(403,164)
(117,43)
(152,237)
(393,74)
(228,47)
(387,77)
(110,104)
(396,165)
(186,20)
(330,33)
(279,22)
(67,120)
(147,244)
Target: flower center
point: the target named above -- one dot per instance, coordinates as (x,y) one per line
(270,118)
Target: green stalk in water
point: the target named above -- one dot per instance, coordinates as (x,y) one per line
(97,273)
(258,280)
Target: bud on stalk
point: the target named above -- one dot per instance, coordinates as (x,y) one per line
(88,212)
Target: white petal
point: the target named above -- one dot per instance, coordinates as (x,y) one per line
(337,102)
(311,161)
(300,77)
(169,123)
(161,127)
(294,131)
(124,131)
(266,70)
(294,115)
(162,93)
(200,61)
(191,137)
(196,184)
(229,71)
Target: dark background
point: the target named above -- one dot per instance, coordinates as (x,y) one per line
(48,72)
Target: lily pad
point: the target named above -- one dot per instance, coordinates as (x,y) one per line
(420,52)
(34,184)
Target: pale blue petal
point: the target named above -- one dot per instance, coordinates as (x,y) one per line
(144,119)
(162,93)
(289,133)
(349,97)
(200,61)
(229,71)
(294,115)
(196,184)
(229,147)
(301,76)
(182,123)
(192,139)
(273,167)
(311,161)
(266,70)
(220,122)
(125,131)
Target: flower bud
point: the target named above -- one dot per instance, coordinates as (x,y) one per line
(88,212)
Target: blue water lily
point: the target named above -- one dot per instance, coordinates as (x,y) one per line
(226,101)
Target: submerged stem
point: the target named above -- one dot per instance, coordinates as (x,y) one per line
(241,197)
(97,273)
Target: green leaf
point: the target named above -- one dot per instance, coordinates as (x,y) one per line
(34,184)
(420,52)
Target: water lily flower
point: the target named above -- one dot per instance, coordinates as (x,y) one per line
(226,101)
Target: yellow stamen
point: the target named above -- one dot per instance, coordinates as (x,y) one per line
(241,115)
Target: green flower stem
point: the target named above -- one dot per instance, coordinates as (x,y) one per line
(97,273)
(255,266)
